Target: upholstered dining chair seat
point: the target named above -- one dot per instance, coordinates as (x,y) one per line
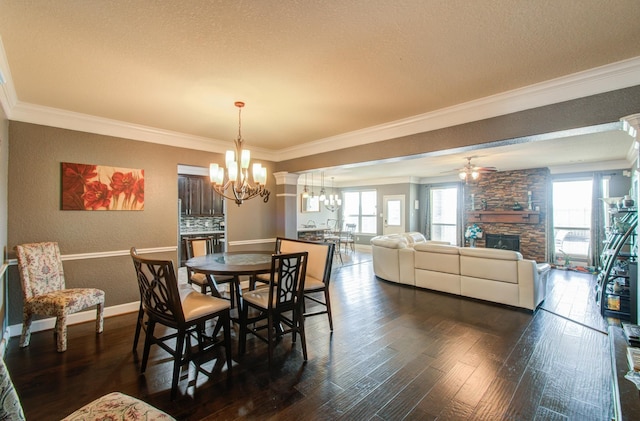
(259,297)
(196,305)
(65,301)
(312,284)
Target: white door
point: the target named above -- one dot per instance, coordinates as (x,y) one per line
(393,214)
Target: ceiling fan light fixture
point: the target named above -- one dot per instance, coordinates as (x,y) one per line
(475,175)
(462,175)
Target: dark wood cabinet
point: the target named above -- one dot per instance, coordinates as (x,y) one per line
(198,197)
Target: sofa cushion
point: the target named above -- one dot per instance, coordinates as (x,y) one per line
(437,257)
(488,253)
(414,237)
(437,247)
(392,242)
(491,264)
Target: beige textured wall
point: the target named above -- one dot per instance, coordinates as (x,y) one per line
(4,159)
(34,214)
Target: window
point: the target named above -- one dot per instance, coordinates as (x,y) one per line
(443,216)
(360,208)
(572,220)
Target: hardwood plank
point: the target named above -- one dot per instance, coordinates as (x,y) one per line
(439,396)
(407,398)
(387,390)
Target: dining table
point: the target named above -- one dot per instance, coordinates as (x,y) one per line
(233,264)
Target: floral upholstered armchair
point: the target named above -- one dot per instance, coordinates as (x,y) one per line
(44,292)
(113,406)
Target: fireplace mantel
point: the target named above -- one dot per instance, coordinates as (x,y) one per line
(505,217)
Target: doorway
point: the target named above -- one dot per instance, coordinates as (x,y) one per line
(443,214)
(572,221)
(393,214)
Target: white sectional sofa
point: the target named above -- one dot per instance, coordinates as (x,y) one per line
(500,276)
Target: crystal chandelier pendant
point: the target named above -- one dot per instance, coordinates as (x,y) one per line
(234,183)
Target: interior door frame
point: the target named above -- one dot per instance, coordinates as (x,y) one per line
(393,229)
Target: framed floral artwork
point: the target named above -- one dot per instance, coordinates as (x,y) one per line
(100,187)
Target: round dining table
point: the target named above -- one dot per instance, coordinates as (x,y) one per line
(234,264)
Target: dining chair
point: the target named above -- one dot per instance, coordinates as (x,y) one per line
(184,310)
(201,246)
(280,304)
(44,291)
(347,237)
(332,235)
(318,273)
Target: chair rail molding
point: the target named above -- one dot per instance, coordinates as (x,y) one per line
(102,254)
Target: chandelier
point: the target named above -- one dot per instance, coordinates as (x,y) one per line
(332,202)
(233,183)
(467,173)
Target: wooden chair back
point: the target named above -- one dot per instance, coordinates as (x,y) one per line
(320,256)
(158,289)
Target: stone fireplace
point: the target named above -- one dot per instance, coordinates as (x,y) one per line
(502,241)
(491,200)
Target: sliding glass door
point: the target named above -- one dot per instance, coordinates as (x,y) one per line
(572,221)
(443,214)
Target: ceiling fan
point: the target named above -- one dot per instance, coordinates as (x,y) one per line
(470,171)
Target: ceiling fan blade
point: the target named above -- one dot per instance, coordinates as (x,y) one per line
(456,171)
(486,169)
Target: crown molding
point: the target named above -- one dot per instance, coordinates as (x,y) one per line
(8,96)
(54,117)
(619,75)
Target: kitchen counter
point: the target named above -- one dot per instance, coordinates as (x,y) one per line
(217,235)
(202,232)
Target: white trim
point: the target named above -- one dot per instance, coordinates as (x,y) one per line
(250,242)
(284,177)
(54,117)
(287,195)
(8,98)
(3,269)
(99,255)
(619,75)
(75,318)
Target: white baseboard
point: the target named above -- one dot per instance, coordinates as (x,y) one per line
(75,318)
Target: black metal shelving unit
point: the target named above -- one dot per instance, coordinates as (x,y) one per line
(617,279)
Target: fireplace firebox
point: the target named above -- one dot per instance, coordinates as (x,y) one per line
(502,241)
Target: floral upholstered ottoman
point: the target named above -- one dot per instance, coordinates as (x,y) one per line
(118,406)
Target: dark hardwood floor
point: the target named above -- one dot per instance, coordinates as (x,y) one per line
(396,353)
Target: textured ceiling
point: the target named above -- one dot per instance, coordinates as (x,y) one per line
(307,70)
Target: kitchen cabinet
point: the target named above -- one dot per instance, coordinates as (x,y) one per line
(197,197)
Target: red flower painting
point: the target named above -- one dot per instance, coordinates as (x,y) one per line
(98,187)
